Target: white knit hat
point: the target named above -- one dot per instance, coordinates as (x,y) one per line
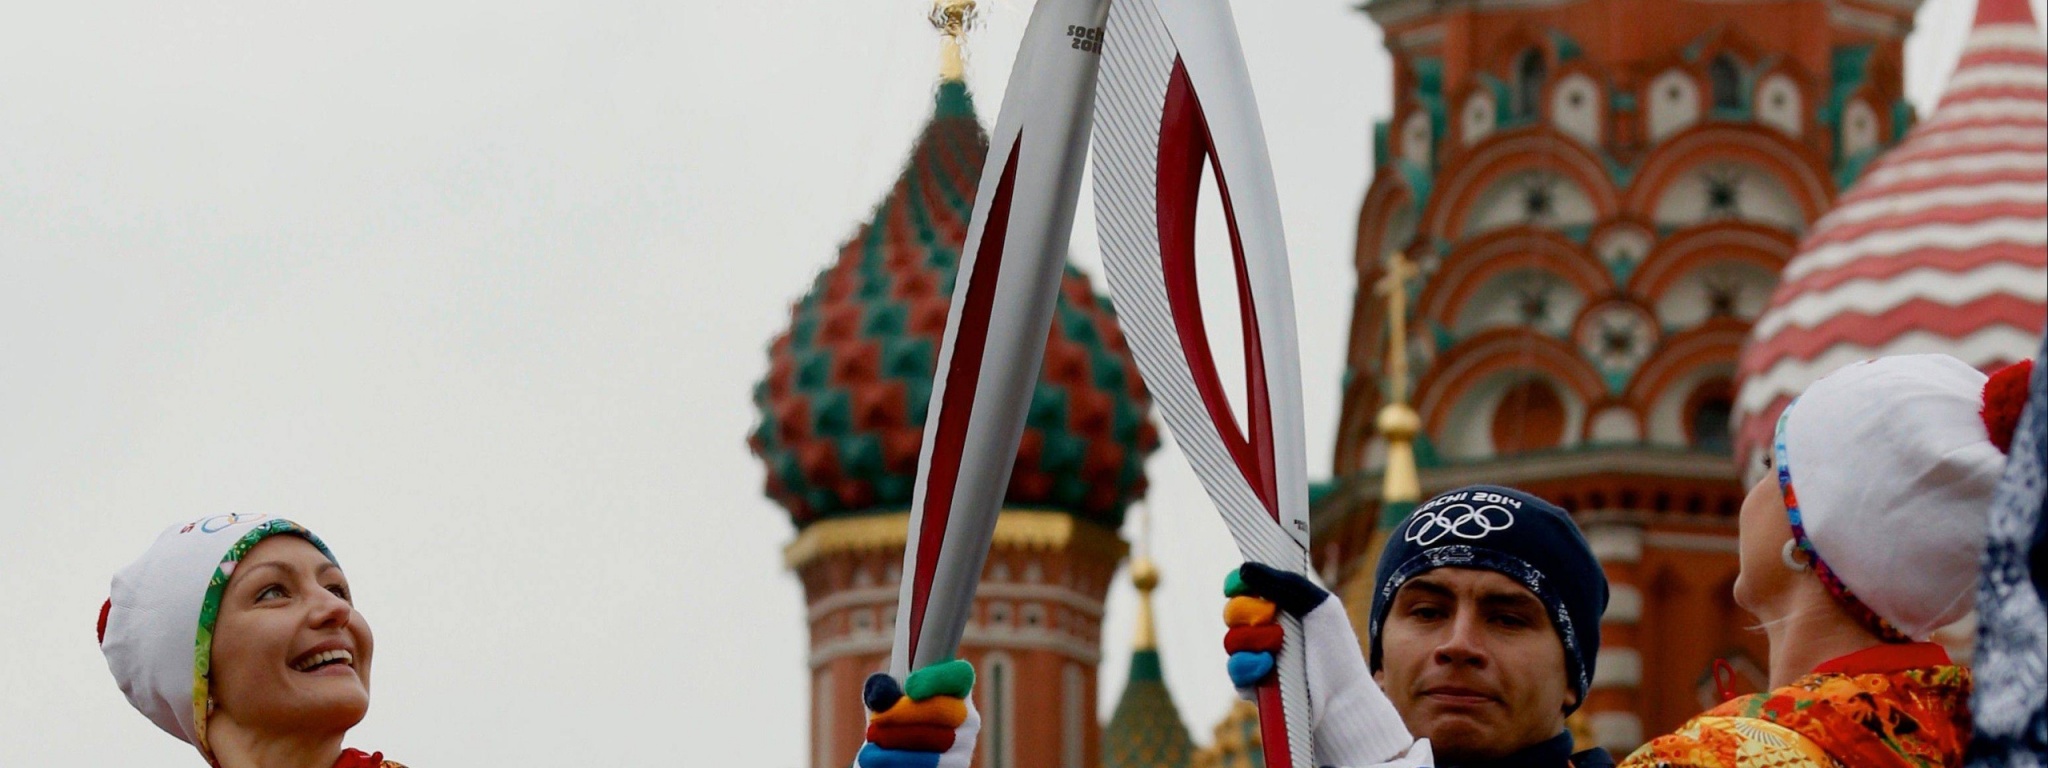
(1895,469)
(156,627)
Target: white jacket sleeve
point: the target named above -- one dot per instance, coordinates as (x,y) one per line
(1355,725)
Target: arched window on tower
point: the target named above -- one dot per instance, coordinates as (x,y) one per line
(1530,417)
(1072,728)
(996,686)
(821,718)
(1530,72)
(1707,412)
(1724,77)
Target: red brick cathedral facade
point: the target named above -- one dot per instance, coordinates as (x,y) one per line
(1600,195)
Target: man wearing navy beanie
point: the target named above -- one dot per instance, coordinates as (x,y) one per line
(1485,626)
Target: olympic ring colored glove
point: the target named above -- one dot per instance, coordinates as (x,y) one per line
(927,722)
(1353,722)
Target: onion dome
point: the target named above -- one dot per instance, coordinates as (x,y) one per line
(842,410)
(1941,246)
(1145,731)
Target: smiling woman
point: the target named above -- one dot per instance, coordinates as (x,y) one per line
(237,634)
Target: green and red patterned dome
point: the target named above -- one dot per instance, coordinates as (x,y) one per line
(843,406)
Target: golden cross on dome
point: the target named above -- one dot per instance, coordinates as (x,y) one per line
(953,18)
(1394,286)
(1398,423)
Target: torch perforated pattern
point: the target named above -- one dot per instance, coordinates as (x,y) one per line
(1139,54)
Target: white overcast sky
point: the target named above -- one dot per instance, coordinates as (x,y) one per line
(478,290)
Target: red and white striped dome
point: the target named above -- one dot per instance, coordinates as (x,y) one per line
(1941,246)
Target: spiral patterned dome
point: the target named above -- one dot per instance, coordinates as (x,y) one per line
(842,410)
(1941,246)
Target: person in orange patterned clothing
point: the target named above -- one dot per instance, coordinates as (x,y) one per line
(238,635)
(1861,543)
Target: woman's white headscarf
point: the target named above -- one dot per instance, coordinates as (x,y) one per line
(156,627)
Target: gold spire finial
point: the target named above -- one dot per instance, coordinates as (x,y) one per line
(1145,575)
(1398,423)
(953,18)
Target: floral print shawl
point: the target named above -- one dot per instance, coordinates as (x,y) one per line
(1894,705)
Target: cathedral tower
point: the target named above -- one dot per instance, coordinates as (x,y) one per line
(842,413)
(1598,197)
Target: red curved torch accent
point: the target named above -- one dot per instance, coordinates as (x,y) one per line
(963,375)
(1184,145)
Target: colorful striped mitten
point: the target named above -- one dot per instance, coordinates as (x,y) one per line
(1257,594)
(927,722)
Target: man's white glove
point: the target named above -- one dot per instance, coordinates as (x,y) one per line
(1353,722)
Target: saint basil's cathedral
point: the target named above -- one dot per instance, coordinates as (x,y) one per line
(1604,242)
